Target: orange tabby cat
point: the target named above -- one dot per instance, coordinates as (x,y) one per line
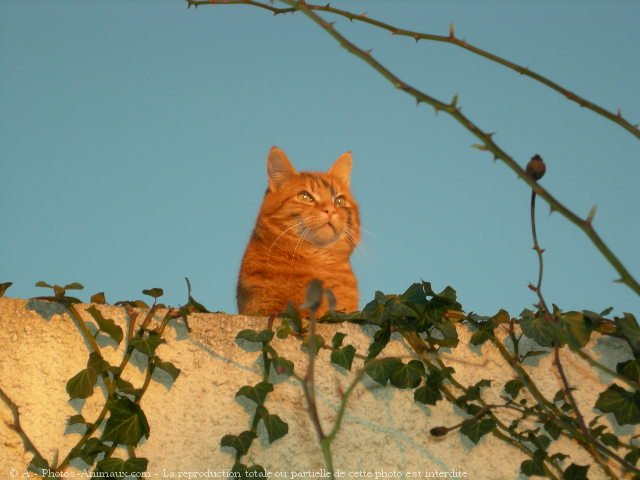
(307,227)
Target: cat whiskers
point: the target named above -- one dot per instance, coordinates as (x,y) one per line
(297,223)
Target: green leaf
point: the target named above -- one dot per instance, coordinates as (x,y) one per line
(552,429)
(380,341)
(479,337)
(313,343)
(4,287)
(633,456)
(544,332)
(254,336)
(257,393)
(313,297)
(242,472)
(126,387)
(116,465)
(336,341)
(576,472)
(127,423)
(274,425)
(168,367)
(75,419)
(73,286)
(241,443)
(90,450)
(381,370)
(81,384)
(476,430)
(427,394)
(293,315)
(628,327)
(283,366)
(629,369)
(343,356)
(409,375)
(98,298)
(106,325)
(534,466)
(577,331)
(624,405)
(153,292)
(147,344)
(512,387)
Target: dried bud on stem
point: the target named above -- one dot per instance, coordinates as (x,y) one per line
(536,167)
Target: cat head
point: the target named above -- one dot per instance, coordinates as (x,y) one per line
(317,207)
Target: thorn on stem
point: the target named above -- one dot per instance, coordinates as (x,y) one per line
(591,215)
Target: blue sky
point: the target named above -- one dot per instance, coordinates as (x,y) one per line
(133,138)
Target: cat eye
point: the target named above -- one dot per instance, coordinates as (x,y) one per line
(305,197)
(340,202)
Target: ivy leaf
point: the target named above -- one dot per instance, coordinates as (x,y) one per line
(313,296)
(512,387)
(294,317)
(115,465)
(409,375)
(427,394)
(476,430)
(534,466)
(241,443)
(167,367)
(313,343)
(380,341)
(254,336)
(242,472)
(576,472)
(4,287)
(98,298)
(479,337)
(81,384)
(629,369)
(75,419)
(90,450)
(343,356)
(624,405)
(628,327)
(381,370)
(336,341)
(127,423)
(153,292)
(126,387)
(147,344)
(633,456)
(106,325)
(577,331)
(257,393)
(538,328)
(274,425)
(283,366)
(552,429)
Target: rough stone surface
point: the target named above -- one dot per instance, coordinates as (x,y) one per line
(383,428)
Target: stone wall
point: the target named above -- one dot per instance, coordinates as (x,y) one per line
(385,432)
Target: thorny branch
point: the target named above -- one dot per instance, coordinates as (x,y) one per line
(454,111)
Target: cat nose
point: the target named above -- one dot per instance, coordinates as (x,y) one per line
(330,211)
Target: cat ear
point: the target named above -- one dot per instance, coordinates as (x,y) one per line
(279,168)
(342,168)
